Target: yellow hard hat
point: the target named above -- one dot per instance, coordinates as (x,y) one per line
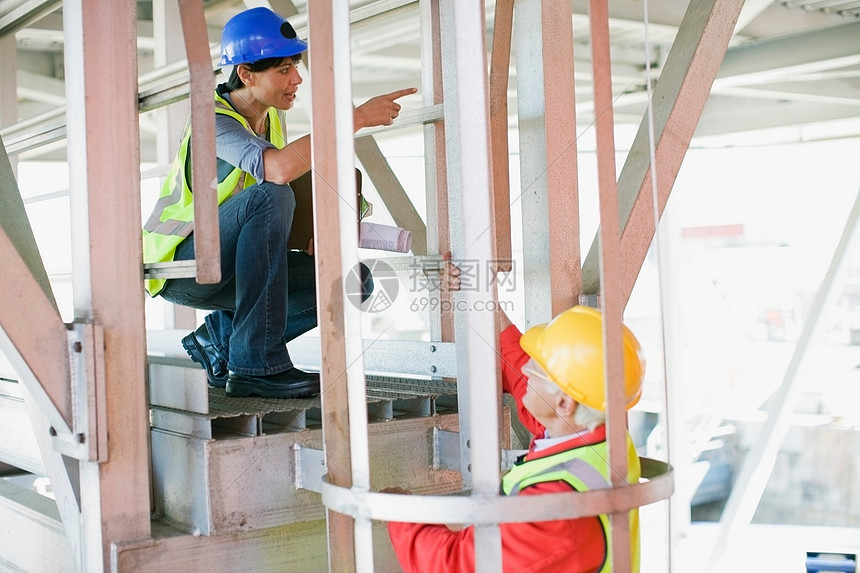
(570,350)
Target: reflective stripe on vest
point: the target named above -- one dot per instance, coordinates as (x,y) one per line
(172,218)
(585,468)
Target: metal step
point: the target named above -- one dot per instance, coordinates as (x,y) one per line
(223,464)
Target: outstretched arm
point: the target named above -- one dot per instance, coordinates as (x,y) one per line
(379,110)
(284,165)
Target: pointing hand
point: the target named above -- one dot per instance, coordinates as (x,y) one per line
(380,110)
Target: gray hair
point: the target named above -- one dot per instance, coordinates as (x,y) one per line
(588,417)
(584,416)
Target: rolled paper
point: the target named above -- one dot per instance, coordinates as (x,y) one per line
(384,237)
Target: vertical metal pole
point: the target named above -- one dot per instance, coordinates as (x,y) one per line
(531,114)
(454,187)
(207,244)
(476,328)
(610,279)
(170,120)
(500,63)
(444,144)
(441,324)
(344,393)
(104,173)
(561,160)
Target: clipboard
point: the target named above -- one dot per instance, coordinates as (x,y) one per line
(302,230)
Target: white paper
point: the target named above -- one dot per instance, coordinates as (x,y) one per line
(384,238)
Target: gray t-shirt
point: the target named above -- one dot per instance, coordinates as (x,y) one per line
(237,146)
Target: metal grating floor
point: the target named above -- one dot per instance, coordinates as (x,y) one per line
(409,395)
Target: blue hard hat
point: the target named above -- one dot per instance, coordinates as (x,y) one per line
(257,34)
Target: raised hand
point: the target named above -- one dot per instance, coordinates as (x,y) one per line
(451,281)
(380,110)
(450,273)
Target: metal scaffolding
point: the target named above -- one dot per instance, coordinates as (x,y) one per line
(144,458)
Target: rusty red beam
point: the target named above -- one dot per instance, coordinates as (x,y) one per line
(33,325)
(610,276)
(680,96)
(500,62)
(561,156)
(207,244)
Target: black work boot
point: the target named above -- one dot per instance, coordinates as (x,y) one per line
(199,347)
(293,383)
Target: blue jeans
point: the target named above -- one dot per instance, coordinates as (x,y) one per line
(267,293)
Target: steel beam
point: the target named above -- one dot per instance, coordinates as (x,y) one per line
(207,244)
(500,62)
(32,333)
(395,357)
(476,331)
(534,193)
(680,96)
(227,472)
(825,48)
(16,225)
(336,246)
(104,167)
(17,15)
(436,174)
(561,155)
(610,283)
(170,47)
(65,480)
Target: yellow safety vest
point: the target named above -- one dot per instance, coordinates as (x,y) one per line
(585,468)
(172,218)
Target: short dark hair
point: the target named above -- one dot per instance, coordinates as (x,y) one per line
(235,83)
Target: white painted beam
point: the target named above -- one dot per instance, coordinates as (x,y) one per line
(41,88)
(765,60)
(752,9)
(29,522)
